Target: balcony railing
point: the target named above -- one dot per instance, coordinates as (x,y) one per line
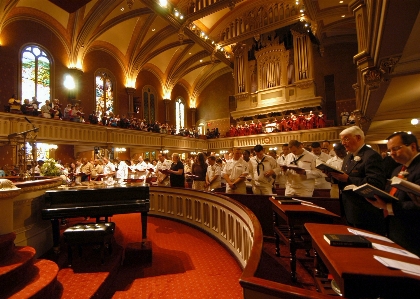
(65,132)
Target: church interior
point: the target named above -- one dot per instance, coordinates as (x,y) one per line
(188,76)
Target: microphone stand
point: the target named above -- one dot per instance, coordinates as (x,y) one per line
(22,151)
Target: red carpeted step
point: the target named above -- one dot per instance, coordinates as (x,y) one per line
(42,282)
(7,246)
(15,267)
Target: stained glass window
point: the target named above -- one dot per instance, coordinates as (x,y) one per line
(36,74)
(104,92)
(179,114)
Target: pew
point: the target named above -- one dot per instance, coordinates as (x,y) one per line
(261,206)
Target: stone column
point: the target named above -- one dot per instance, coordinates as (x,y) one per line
(130,91)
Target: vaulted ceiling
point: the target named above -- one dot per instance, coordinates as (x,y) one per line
(188,42)
(187,50)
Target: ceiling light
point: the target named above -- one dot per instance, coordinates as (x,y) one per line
(201,60)
(163,3)
(343,16)
(341,1)
(153,29)
(122,8)
(414,121)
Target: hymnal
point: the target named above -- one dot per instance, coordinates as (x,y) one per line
(327,168)
(292,167)
(347,240)
(368,191)
(405,186)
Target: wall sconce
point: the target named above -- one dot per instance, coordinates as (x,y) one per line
(69,82)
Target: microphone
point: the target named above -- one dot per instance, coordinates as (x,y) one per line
(30,122)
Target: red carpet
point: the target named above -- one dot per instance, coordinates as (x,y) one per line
(186,263)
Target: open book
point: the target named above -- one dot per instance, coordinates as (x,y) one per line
(405,186)
(292,167)
(368,191)
(325,167)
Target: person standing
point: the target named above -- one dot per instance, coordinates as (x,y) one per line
(86,170)
(262,169)
(336,162)
(176,172)
(199,171)
(213,175)
(122,170)
(320,183)
(162,166)
(235,172)
(300,182)
(281,179)
(403,215)
(361,165)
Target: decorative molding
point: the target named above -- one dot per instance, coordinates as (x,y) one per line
(387,65)
(372,78)
(304,84)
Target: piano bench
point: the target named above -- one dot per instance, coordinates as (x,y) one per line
(89,233)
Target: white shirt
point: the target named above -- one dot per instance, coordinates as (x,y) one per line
(335,162)
(122,172)
(306,182)
(212,171)
(235,168)
(259,167)
(166,164)
(321,183)
(109,168)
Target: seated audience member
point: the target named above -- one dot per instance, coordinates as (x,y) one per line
(45,109)
(93,119)
(67,112)
(403,215)
(27,107)
(14,105)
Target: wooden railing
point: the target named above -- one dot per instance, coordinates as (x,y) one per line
(65,132)
(234,226)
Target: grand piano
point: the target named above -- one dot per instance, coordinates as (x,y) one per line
(95,201)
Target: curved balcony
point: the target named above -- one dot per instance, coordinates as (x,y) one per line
(65,132)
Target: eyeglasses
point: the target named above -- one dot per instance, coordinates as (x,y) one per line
(345,139)
(395,148)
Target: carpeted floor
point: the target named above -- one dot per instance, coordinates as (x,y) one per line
(186,263)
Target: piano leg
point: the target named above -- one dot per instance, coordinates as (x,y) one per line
(56,235)
(144,226)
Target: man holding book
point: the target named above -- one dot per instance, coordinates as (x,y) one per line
(361,165)
(262,169)
(403,215)
(300,171)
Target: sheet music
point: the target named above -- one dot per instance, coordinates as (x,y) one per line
(405,267)
(368,235)
(394,250)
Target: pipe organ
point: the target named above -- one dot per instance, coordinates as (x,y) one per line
(273,78)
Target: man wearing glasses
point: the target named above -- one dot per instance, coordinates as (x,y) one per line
(361,165)
(404,214)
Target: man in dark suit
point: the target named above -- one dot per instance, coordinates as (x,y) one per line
(361,165)
(403,215)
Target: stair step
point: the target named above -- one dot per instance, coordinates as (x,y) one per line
(42,282)
(7,246)
(16,266)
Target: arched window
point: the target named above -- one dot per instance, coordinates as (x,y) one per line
(179,114)
(104,91)
(35,74)
(149,104)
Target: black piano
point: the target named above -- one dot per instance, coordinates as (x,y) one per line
(95,201)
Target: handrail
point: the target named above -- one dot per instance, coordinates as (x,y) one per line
(209,212)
